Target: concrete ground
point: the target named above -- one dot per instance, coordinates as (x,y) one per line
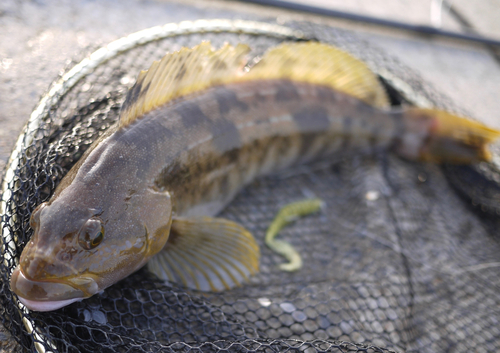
(39,38)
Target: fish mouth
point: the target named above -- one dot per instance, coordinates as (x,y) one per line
(50,295)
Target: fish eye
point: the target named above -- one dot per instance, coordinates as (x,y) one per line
(91,234)
(35,215)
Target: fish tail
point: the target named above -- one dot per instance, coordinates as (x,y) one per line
(438,136)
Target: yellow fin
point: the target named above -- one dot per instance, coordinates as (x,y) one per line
(179,74)
(454,139)
(208,254)
(191,70)
(321,64)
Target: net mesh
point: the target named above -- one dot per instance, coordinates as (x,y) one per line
(398,260)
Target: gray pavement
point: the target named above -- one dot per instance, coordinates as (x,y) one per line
(38,39)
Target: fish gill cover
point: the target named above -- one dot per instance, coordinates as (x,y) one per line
(410,265)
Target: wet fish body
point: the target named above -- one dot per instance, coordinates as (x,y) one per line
(221,140)
(146,191)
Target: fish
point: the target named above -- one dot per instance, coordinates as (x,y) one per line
(198,126)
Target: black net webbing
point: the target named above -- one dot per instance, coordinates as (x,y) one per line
(398,260)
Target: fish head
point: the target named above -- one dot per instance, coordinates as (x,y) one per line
(77,251)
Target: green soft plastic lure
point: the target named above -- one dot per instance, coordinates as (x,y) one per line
(285,216)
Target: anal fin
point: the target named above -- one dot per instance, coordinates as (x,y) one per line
(208,254)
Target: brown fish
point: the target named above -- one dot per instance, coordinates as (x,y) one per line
(195,128)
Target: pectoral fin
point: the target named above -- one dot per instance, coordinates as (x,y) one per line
(208,254)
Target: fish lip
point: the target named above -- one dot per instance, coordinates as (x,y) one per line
(50,295)
(38,305)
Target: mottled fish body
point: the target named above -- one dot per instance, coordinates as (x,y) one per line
(193,131)
(221,140)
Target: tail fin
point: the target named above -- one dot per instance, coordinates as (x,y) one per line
(451,138)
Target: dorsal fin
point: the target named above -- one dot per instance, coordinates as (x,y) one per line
(191,70)
(182,73)
(321,64)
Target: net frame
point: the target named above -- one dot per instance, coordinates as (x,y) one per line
(65,83)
